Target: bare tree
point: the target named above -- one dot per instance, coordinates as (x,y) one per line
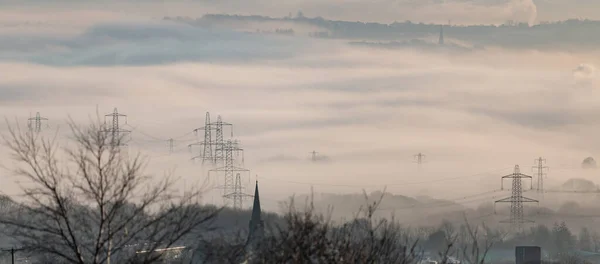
(309,237)
(476,247)
(87,202)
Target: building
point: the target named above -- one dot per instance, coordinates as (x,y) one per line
(528,255)
(256,229)
(239,253)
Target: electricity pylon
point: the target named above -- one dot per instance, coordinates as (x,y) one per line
(516,200)
(238,195)
(420,158)
(114,129)
(229,169)
(116,142)
(219,142)
(541,172)
(35,123)
(314,156)
(171,143)
(207,151)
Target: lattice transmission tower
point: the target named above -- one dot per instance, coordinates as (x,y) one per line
(117,134)
(516,199)
(420,158)
(207,150)
(238,194)
(313,156)
(219,142)
(540,172)
(171,143)
(212,148)
(35,123)
(231,190)
(117,137)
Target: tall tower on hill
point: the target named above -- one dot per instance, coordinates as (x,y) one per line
(441,40)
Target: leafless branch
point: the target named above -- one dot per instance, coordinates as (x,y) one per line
(92,203)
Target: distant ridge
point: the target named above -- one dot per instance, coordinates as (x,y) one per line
(509,35)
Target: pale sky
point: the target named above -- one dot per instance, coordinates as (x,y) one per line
(387,11)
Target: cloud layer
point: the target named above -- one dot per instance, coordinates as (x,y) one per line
(146,44)
(368,110)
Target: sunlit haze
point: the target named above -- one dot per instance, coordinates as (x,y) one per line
(512,81)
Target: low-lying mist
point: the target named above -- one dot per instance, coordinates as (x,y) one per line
(366,111)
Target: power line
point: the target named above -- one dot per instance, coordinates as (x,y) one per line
(114,129)
(155,138)
(219,141)
(446,202)
(446,179)
(231,186)
(385,184)
(35,123)
(207,151)
(516,199)
(539,166)
(420,158)
(176,149)
(565,191)
(238,195)
(147,135)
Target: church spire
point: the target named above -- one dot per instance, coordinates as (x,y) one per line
(256,229)
(256,212)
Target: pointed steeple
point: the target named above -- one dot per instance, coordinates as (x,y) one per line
(256,212)
(256,229)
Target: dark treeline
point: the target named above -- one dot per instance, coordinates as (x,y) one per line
(304,236)
(573,33)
